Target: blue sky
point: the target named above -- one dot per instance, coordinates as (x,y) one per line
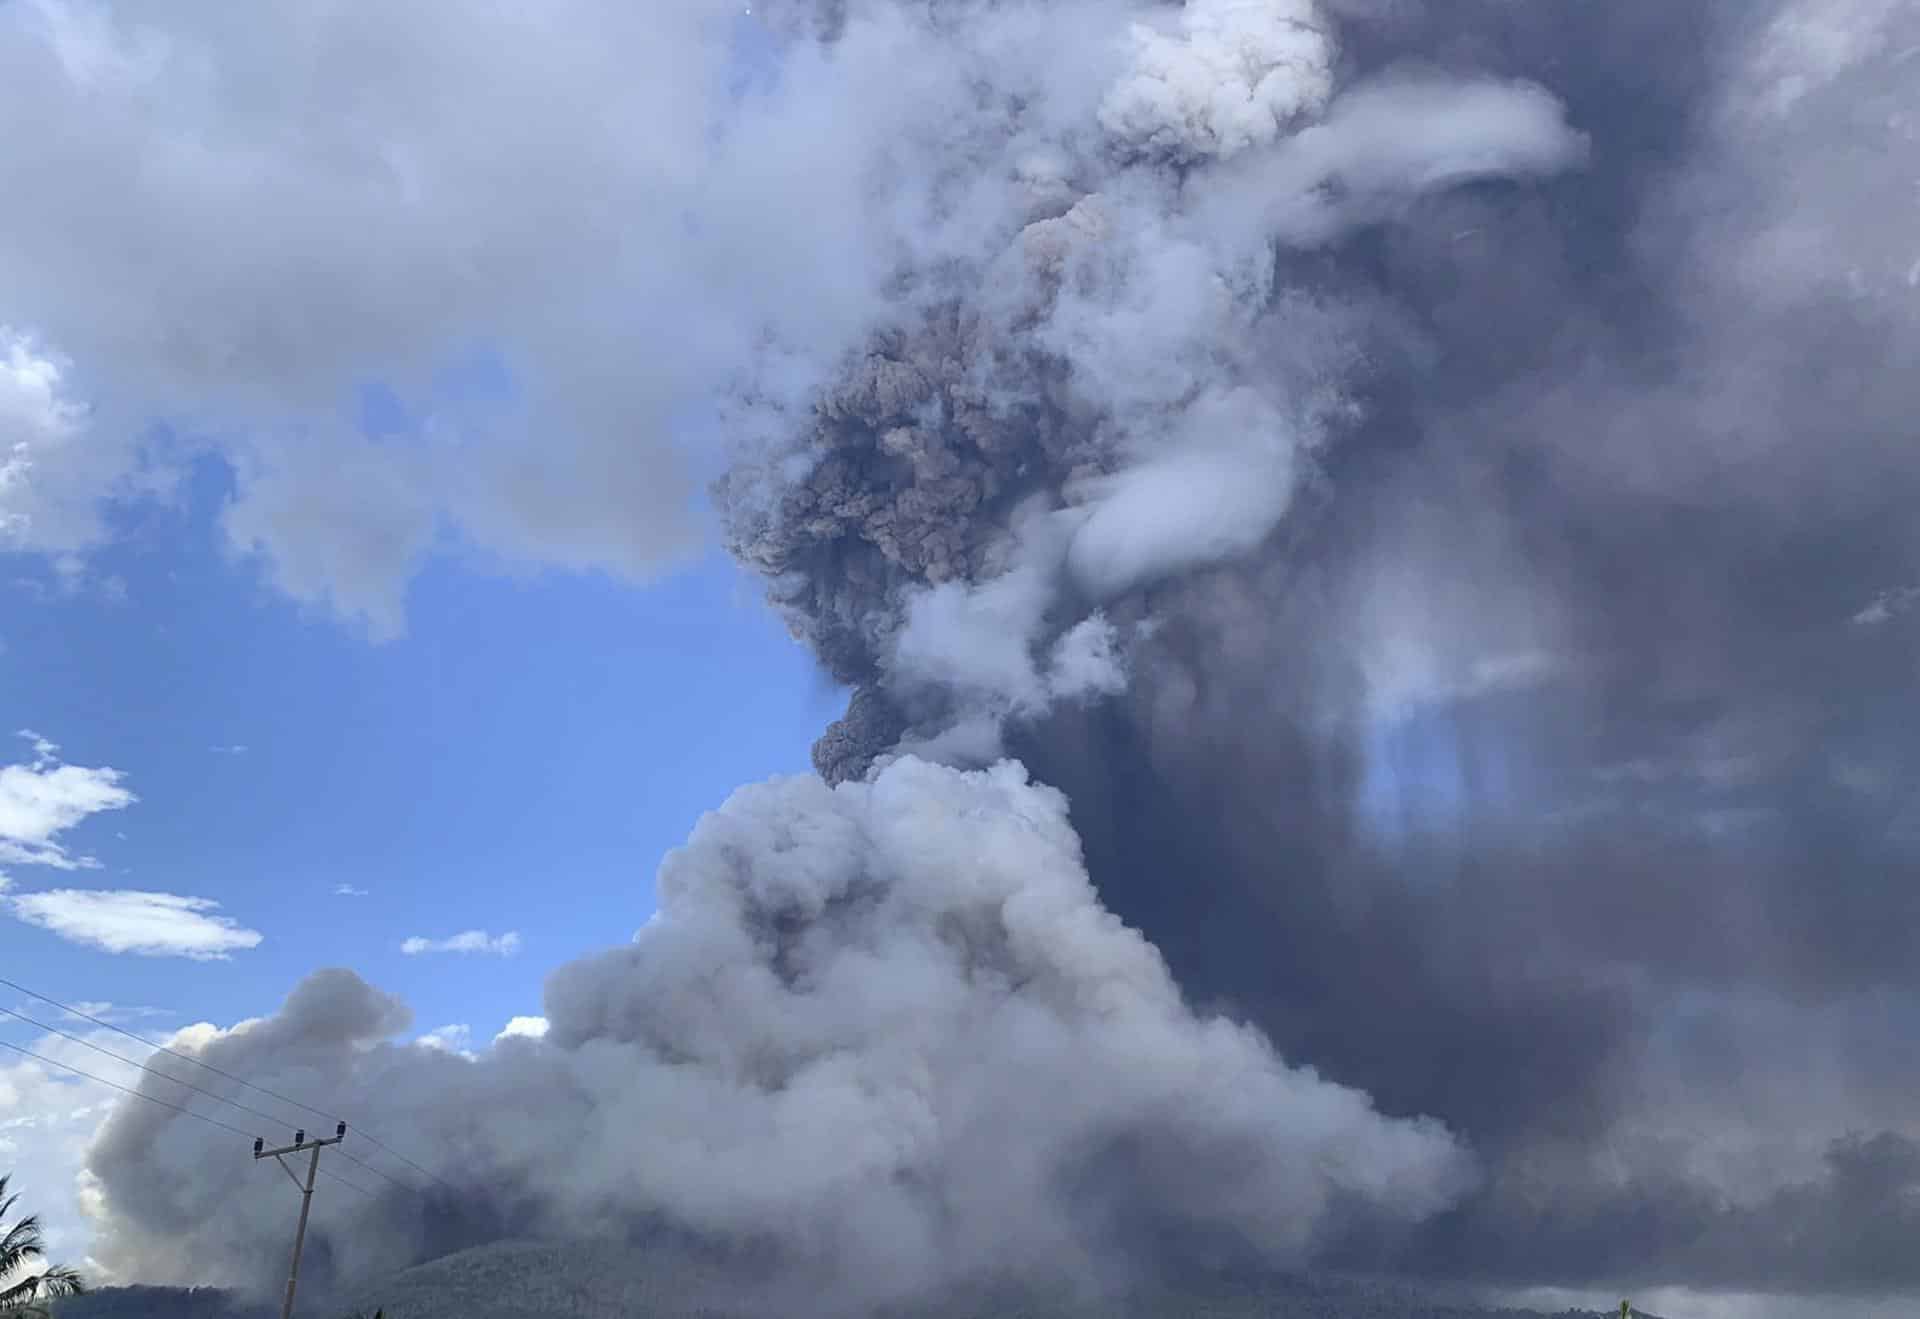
(516,762)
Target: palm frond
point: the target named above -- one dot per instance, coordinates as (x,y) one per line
(59,1280)
(56,1281)
(20,1245)
(23,1235)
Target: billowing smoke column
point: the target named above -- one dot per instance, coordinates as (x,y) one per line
(1431,489)
(884,1033)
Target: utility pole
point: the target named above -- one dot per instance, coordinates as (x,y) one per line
(300,1142)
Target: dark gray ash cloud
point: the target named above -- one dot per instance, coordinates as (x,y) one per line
(1534,741)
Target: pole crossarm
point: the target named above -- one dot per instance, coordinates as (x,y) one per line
(297,1146)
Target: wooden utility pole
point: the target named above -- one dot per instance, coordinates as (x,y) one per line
(300,1142)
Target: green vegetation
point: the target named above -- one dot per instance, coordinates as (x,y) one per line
(23,1292)
(532,1280)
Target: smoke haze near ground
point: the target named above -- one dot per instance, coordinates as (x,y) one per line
(1432,486)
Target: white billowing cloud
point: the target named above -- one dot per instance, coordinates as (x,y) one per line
(553,183)
(1221,76)
(636,233)
(452,1039)
(979,638)
(1385,142)
(48,1117)
(1216,495)
(348,891)
(53,473)
(43,799)
(987,642)
(524,1028)
(467,941)
(1086,661)
(126,921)
(297,508)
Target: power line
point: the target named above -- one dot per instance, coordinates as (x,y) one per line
(117,1057)
(187,1112)
(367,1136)
(128,1090)
(375,1171)
(352,1186)
(425,1172)
(183,1057)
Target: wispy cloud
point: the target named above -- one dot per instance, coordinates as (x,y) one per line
(231,749)
(43,798)
(348,891)
(467,941)
(119,1011)
(146,924)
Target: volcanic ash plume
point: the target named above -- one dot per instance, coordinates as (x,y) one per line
(1110,384)
(887,1027)
(1376,461)
(882,1025)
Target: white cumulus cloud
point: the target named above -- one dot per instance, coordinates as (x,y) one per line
(527,1028)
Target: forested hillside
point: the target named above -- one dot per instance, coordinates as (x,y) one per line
(538,1281)
(159,1303)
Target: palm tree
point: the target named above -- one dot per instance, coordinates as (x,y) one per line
(20,1246)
